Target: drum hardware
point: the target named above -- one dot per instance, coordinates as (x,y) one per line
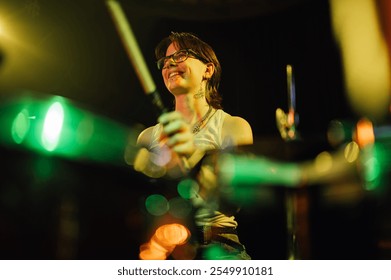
(286,124)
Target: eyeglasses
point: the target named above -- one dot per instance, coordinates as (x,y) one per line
(177,57)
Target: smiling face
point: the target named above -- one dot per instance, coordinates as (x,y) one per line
(183,77)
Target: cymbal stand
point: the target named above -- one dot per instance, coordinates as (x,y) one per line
(295,202)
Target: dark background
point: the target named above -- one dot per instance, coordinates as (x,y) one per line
(72,49)
(58,208)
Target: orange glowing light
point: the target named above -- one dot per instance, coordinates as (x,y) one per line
(174,234)
(365,134)
(164,241)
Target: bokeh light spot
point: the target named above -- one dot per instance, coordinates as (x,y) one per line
(20,126)
(188,188)
(156,204)
(164,241)
(179,207)
(52,126)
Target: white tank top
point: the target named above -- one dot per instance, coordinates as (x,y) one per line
(208,138)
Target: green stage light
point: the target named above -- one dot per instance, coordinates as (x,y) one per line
(250,170)
(246,179)
(375,143)
(56,126)
(376,162)
(52,126)
(20,126)
(216,252)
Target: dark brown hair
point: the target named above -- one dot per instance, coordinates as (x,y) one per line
(185,40)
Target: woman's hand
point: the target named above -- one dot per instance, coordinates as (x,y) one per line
(177,134)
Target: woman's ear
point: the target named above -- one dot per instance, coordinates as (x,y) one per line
(210,69)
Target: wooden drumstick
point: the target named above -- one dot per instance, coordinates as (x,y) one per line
(135,55)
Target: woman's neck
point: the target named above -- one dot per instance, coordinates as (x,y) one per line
(192,107)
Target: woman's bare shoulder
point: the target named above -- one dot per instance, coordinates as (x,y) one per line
(238,130)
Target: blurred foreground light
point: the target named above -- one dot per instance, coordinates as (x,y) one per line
(20,126)
(365,134)
(2,29)
(188,188)
(323,162)
(365,56)
(217,252)
(52,126)
(351,152)
(180,208)
(174,234)
(164,241)
(250,180)
(55,126)
(376,160)
(156,205)
(340,132)
(236,170)
(375,144)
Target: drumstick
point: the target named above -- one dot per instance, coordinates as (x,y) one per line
(132,48)
(137,59)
